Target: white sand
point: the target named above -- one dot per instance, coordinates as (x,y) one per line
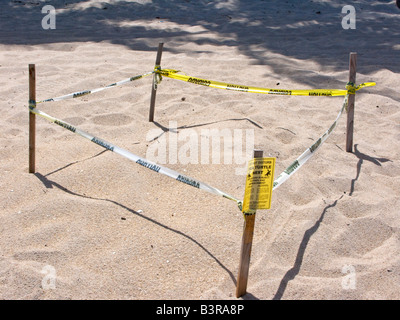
(110,229)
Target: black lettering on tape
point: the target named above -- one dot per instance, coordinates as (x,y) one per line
(135,78)
(188,181)
(166,72)
(280,91)
(200,81)
(80,94)
(328,94)
(65,125)
(237,87)
(292,167)
(148,165)
(332,127)
(315,145)
(103,144)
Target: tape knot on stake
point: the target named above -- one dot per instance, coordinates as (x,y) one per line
(32,104)
(248,213)
(158,76)
(351,89)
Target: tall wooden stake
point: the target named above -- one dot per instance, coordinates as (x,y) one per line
(32,118)
(351,102)
(154,87)
(247,241)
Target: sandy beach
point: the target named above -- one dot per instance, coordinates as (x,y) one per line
(91,224)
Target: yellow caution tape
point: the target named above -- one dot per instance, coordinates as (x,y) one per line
(350,88)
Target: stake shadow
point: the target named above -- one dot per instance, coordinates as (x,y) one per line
(72,163)
(294,271)
(249,296)
(361,157)
(50,184)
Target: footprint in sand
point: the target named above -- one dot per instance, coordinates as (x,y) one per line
(75,120)
(351,241)
(285,136)
(13,132)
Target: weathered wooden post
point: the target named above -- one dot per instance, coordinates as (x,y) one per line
(351,102)
(32,118)
(154,87)
(247,242)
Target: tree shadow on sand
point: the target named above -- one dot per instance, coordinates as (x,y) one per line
(289,30)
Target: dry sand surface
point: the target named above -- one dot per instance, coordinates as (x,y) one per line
(90,224)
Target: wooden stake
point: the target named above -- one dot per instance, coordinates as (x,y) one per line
(32,118)
(154,87)
(247,241)
(351,102)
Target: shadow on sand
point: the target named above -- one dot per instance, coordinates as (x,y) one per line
(299,30)
(50,184)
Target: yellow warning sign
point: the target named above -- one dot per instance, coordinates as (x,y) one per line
(259,183)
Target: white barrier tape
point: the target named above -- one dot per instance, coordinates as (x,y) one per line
(283,177)
(86,92)
(144,162)
(306,155)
